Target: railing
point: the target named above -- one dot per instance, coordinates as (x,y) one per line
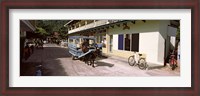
(88,26)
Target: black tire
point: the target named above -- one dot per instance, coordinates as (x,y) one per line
(173,67)
(131,61)
(142,64)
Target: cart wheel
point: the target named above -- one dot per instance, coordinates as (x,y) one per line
(131,61)
(74,57)
(142,64)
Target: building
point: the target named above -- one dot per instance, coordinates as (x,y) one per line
(154,38)
(27,29)
(26,26)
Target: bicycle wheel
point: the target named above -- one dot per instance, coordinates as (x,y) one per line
(173,67)
(131,61)
(142,64)
(173,64)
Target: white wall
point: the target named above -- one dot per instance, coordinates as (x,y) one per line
(115,41)
(161,49)
(148,44)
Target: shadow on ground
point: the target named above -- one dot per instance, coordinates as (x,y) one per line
(54,68)
(48,58)
(155,67)
(48,69)
(28,68)
(104,64)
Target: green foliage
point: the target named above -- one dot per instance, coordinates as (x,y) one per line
(41,31)
(51,26)
(63,34)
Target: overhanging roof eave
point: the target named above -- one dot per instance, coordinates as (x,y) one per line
(100,26)
(68,23)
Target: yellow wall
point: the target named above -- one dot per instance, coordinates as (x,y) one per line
(122,53)
(104,50)
(138,27)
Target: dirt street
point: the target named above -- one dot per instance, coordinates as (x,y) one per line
(57,61)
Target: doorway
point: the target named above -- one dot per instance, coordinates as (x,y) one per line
(111,43)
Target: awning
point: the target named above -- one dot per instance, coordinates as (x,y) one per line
(26,25)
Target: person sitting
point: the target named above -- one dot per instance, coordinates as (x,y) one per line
(84,46)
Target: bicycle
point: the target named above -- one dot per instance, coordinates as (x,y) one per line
(173,62)
(138,59)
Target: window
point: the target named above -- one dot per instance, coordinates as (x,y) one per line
(120,41)
(129,43)
(135,42)
(111,43)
